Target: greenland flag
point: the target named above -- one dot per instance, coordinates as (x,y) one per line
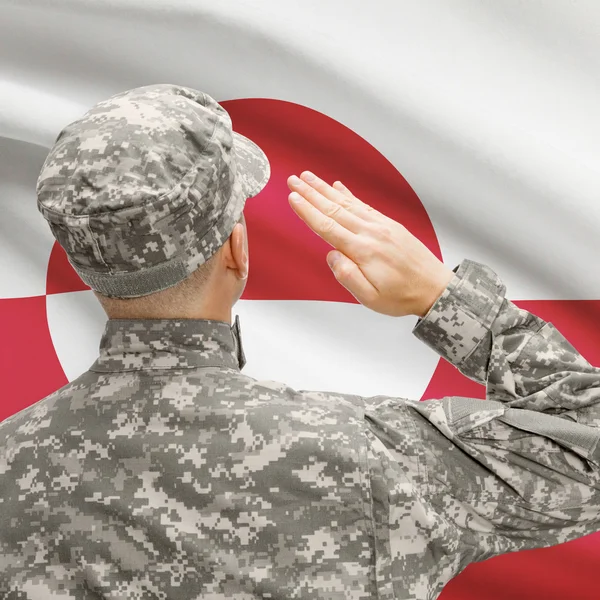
(474,124)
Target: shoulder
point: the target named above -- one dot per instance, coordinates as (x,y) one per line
(46,417)
(315,399)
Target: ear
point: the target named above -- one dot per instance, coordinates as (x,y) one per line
(237,256)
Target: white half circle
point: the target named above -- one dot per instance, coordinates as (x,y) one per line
(309,345)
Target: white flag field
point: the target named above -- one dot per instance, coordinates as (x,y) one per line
(475,124)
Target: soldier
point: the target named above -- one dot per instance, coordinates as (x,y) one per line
(165,472)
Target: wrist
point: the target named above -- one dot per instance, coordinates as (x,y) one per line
(433,292)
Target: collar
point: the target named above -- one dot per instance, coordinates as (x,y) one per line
(140,344)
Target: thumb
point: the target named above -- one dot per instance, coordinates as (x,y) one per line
(351,277)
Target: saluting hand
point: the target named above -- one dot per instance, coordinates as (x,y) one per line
(384,266)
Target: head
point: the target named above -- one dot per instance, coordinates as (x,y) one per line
(145,193)
(208,293)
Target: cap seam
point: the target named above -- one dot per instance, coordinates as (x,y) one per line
(62,217)
(100,255)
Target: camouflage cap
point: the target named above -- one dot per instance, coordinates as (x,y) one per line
(147,186)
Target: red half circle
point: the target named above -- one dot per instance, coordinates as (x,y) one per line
(287,259)
(30,367)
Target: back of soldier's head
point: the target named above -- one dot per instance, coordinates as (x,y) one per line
(145,188)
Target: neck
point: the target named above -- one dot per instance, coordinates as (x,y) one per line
(214,315)
(217,314)
(214,311)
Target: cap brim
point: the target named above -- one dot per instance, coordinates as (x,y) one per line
(253,167)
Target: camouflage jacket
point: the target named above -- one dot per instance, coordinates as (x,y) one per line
(165,473)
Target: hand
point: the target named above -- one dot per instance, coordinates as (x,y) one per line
(384,266)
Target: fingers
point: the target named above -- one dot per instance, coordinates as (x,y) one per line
(326,227)
(340,187)
(352,278)
(340,194)
(334,208)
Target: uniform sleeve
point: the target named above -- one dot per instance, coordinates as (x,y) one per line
(518,470)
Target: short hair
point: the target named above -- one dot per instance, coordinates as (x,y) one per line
(180,295)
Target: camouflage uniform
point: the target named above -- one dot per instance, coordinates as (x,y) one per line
(164,472)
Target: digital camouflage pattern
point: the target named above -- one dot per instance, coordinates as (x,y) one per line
(164,472)
(147,186)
